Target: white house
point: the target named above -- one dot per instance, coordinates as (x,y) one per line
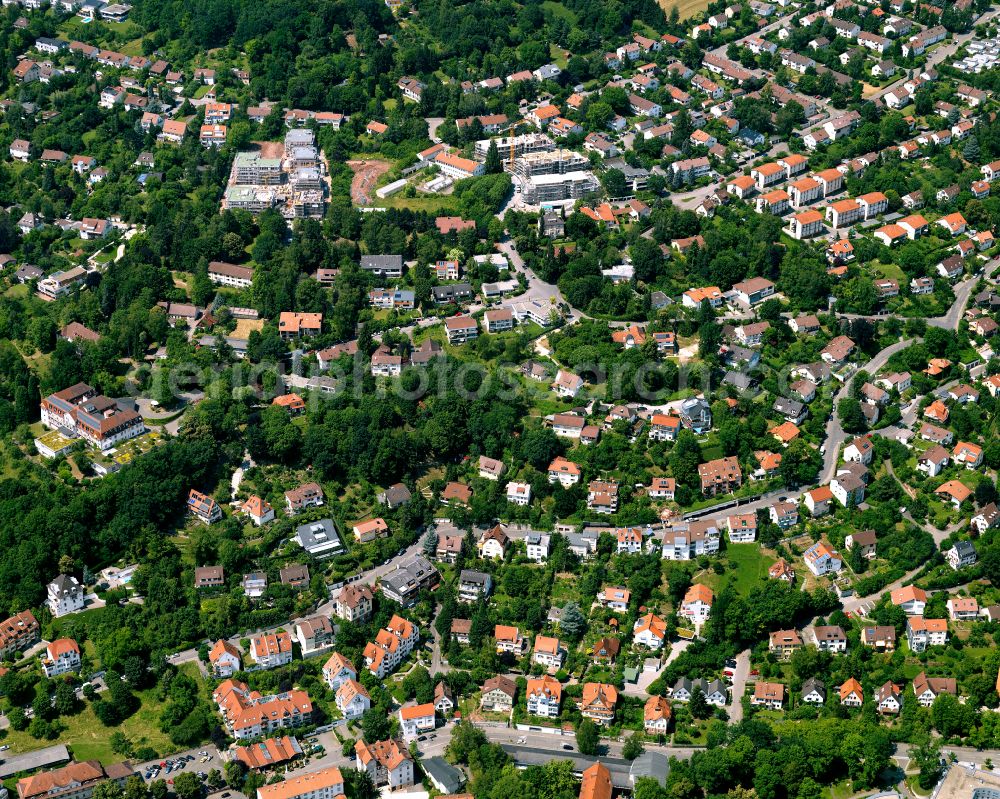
(650,631)
(352,699)
(224,659)
(65,595)
(61,657)
(822,559)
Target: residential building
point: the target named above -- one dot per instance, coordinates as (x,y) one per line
(821,559)
(544,695)
(65,596)
(962,554)
(73,781)
(225,659)
(911,599)
(352,699)
(404,584)
(315,635)
(927,689)
(615,598)
(415,720)
(813,692)
(62,656)
(784,643)
(830,638)
(720,476)
(697,603)
(880,638)
(354,603)
(650,631)
(598,703)
(963,608)
(474,585)
(549,652)
(922,633)
(269,752)
(498,695)
(248,714)
(337,670)
(391,646)
(851,693)
(769,695)
(388,763)
(271,650)
(307,495)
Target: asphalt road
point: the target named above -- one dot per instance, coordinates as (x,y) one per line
(835,435)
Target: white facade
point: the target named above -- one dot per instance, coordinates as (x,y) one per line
(537,545)
(65,595)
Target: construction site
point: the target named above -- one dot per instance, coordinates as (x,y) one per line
(292,176)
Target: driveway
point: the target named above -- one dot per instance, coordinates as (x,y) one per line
(739,686)
(835,435)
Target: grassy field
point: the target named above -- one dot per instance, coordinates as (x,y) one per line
(431,205)
(686,8)
(88,738)
(559,10)
(747,566)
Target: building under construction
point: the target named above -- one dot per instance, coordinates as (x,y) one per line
(556,162)
(290,176)
(512,147)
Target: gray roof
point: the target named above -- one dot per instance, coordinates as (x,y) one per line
(395,495)
(812,684)
(964,549)
(64,584)
(443,774)
(738,379)
(654,765)
(319,536)
(381,262)
(32,761)
(788,407)
(451,291)
(472,576)
(402,579)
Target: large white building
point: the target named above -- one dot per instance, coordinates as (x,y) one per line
(388,763)
(325,784)
(61,657)
(65,595)
(271,650)
(79,412)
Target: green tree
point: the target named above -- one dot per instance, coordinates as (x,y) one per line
(188,786)
(493,165)
(633,747)
(926,755)
(572,622)
(109,790)
(587,737)
(698,705)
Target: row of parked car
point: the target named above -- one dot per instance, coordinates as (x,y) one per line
(176,764)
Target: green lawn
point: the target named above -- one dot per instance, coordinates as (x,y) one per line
(557,9)
(891,271)
(88,738)
(746,567)
(431,205)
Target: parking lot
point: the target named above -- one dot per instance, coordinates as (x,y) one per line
(196,760)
